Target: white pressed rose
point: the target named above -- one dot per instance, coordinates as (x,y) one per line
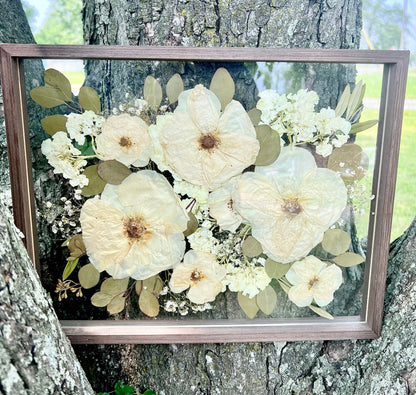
(135,229)
(201,274)
(313,280)
(221,207)
(126,139)
(204,146)
(290,204)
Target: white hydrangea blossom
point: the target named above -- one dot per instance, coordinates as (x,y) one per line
(65,159)
(85,124)
(203,240)
(198,192)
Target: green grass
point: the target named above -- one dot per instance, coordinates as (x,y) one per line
(75,77)
(405,198)
(373,84)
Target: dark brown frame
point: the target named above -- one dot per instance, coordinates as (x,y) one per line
(365,326)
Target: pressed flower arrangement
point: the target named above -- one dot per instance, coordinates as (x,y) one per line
(183,197)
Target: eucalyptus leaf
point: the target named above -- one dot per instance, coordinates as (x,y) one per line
(348,259)
(95,184)
(350,161)
(174,87)
(343,101)
(249,306)
(69,268)
(113,172)
(153,284)
(76,246)
(88,276)
(101,299)
(275,269)
(223,86)
(89,100)
(152,92)
(255,116)
(266,300)
(148,303)
(56,79)
(117,304)
(192,225)
(321,312)
(336,241)
(47,96)
(113,287)
(269,145)
(251,247)
(54,123)
(355,100)
(361,126)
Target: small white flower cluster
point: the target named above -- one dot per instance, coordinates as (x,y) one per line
(183,307)
(358,197)
(202,239)
(65,159)
(67,224)
(134,106)
(295,116)
(86,124)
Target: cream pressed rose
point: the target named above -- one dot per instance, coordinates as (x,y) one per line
(135,229)
(313,280)
(126,139)
(201,274)
(290,204)
(204,146)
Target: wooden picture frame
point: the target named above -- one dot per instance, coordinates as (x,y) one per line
(367,325)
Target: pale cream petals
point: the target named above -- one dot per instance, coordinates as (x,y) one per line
(125,138)
(313,280)
(201,273)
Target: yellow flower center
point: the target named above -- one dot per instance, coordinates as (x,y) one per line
(196,276)
(125,142)
(292,206)
(208,142)
(134,229)
(312,282)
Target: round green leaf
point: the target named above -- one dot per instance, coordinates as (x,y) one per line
(251,247)
(249,306)
(148,303)
(269,145)
(113,172)
(336,241)
(88,276)
(89,100)
(174,87)
(54,124)
(96,184)
(348,259)
(113,287)
(350,161)
(321,312)
(47,96)
(275,269)
(152,92)
(101,299)
(266,300)
(192,224)
(56,79)
(223,86)
(116,305)
(255,116)
(153,284)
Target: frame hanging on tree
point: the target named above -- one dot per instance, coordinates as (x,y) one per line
(289,238)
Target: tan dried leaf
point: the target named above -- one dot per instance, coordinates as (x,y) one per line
(321,312)
(89,100)
(336,241)
(113,172)
(95,185)
(116,305)
(47,96)
(275,269)
(88,276)
(174,87)
(249,306)
(348,259)
(255,116)
(56,79)
(251,247)
(152,92)
(269,145)
(101,299)
(148,303)
(266,300)
(192,225)
(223,86)
(54,123)
(114,287)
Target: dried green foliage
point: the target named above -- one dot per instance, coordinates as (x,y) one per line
(348,259)
(114,286)
(223,86)
(96,184)
(153,284)
(57,80)
(54,123)
(89,100)
(148,303)
(113,172)
(174,87)
(266,300)
(69,268)
(350,161)
(116,304)
(88,276)
(255,116)
(249,306)
(321,312)
(269,145)
(152,92)
(192,225)
(361,126)
(336,241)
(76,246)
(251,247)
(47,96)
(111,294)
(101,299)
(275,269)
